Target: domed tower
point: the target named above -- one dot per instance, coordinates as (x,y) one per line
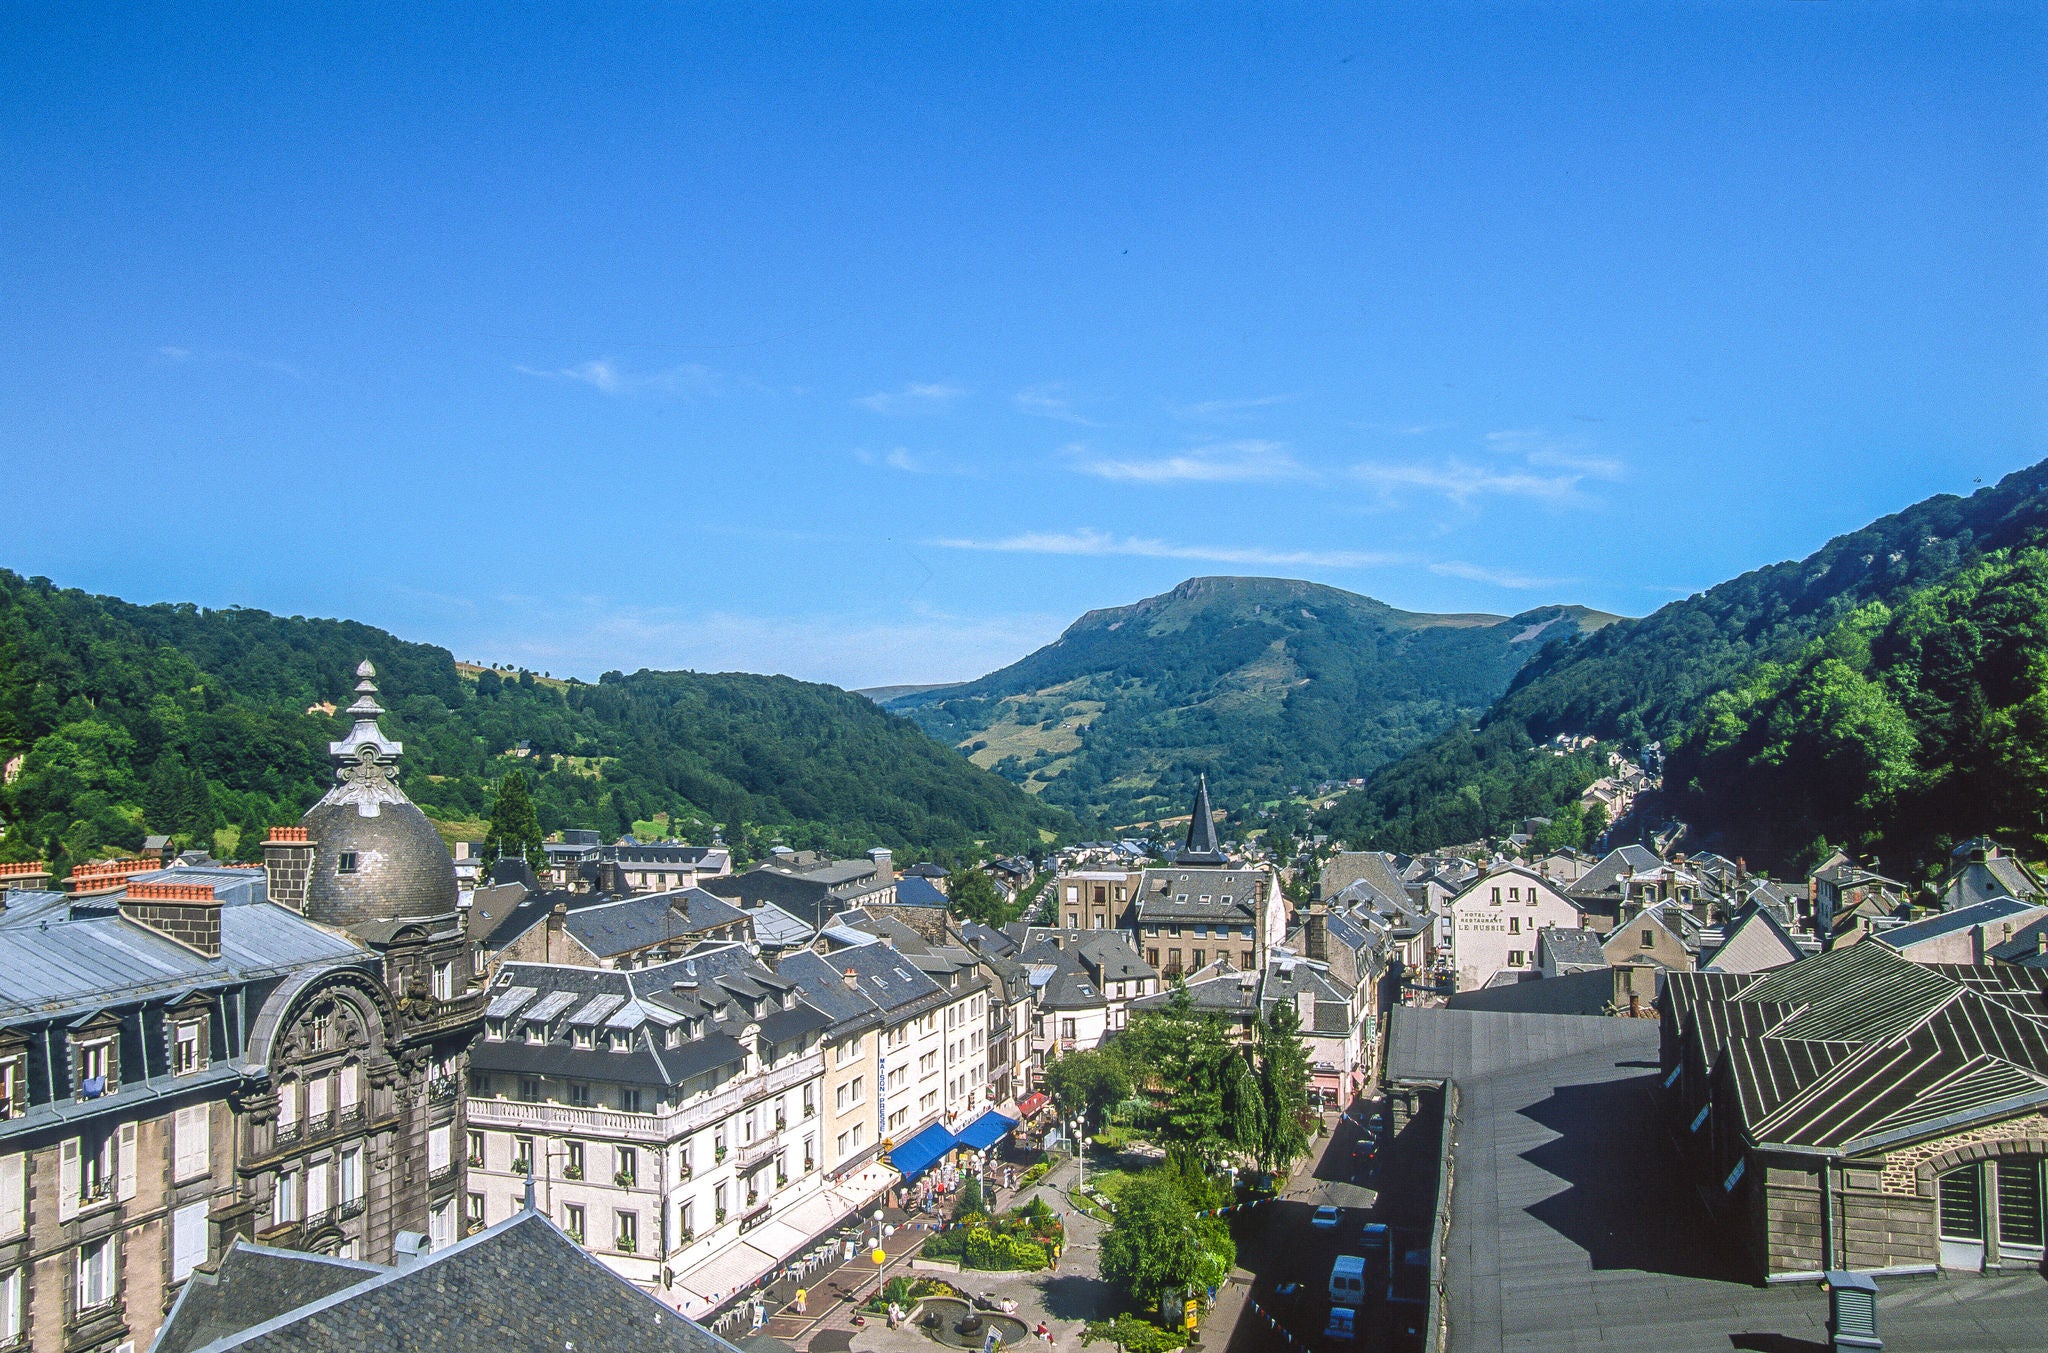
(376,858)
(366,862)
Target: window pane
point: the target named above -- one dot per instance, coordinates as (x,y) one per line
(2019,1200)
(1962,1204)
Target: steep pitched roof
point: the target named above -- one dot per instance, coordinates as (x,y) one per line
(455,1300)
(1756,942)
(1201,846)
(1859,1049)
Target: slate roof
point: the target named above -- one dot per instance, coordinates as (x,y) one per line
(2027,947)
(622,925)
(1606,877)
(1201,846)
(520,1287)
(913,890)
(60,956)
(1218,988)
(1935,927)
(1755,942)
(693,991)
(252,1284)
(1571,949)
(1070,968)
(1585,992)
(1288,976)
(1160,891)
(1859,1049)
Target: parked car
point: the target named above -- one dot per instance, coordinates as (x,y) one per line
(1326,1218)
(1343,1323)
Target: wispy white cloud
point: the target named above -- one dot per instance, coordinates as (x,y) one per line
(182,356)
(1224,408)
(917,397)
(1462,482)
(1403,429)
(1046,401)
(896,458)
(587,636)
(607,377)
(1522,463)
(1216,463)
(1098,543)
(1454,568)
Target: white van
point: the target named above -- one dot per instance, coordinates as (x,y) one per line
(1347,1280)
(1343,1323)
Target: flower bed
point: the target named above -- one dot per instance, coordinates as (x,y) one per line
(1022,1239)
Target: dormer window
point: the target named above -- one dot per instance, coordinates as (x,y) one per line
(13,1086)
(346,864)
(580,1037)
(96,1068)
(675,1035)
(319,1029)
(186,1057)
(536,1033)
(622,1040)
(494,1030)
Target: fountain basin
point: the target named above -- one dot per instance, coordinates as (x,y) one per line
(942,1318)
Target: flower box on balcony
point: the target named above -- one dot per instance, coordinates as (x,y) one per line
(627,1245)
(624,1179)
(572,1172)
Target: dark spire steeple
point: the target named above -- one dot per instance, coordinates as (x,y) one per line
(1202,847)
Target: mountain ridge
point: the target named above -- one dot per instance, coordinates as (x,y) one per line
(1261,682)
(1646,679)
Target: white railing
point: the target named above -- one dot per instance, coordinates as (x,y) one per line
(517,1113)
(701,1111)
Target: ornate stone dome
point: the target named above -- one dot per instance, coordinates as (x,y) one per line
(375,855)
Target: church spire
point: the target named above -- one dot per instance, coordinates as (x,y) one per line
(1202,847)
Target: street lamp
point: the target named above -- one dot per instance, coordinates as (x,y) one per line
(879,1254)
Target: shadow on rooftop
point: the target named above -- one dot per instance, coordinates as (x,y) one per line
(1629,1204)
(1774,1343)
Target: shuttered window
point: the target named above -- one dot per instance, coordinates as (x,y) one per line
(1962,1204)
(13,1196)
(192,1128)
(188,1239)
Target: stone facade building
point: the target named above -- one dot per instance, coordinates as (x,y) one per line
(193,1054)
(1857,1110)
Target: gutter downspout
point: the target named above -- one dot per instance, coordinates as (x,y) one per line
(1827,1213)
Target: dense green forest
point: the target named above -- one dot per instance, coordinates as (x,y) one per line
(1899,731)
(1265,684)
(1640,680)
(130,719)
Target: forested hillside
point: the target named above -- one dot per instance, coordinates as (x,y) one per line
(1262,683)
(1648,679)
(127,719)
(1899,731)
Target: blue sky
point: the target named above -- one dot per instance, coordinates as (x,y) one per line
(875,344)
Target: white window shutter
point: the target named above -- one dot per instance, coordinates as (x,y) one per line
(188,1240)
(13,1196)
(193,1126)
(68,1179)
(124,1164)
(437,1149)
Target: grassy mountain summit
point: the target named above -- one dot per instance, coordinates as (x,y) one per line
(1263,683)
(176,720)
(1650,678)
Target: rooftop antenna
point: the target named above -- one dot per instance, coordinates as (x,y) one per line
(529,1185)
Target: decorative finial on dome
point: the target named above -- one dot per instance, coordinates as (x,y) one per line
(367,775)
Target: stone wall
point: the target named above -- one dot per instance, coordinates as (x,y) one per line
(1910,1170)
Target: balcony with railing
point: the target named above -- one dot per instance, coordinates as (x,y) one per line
(750,1155)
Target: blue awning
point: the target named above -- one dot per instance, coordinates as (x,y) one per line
(915,1156)
(986,1130)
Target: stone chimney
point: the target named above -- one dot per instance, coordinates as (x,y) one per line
(288,865)
(885,871)
(558,920)
(1315,933)
(184,913)
(611,880)
(851,978)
